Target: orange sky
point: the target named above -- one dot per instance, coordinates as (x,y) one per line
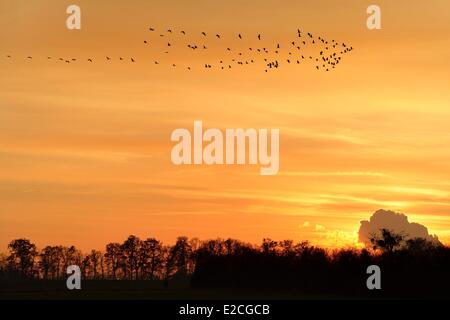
(85,148)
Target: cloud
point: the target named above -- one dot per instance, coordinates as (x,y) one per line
(319,227)
(395,222)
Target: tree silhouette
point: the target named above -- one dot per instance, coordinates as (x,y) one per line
(387,241)
(179,258)
(22,254)
(95,262)
(51,262)
(151,258)
(130,252)
(113,258)
(218,263)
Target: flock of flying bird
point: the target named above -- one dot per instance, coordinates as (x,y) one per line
(323,54)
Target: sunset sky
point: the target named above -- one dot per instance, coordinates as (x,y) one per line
(85,147)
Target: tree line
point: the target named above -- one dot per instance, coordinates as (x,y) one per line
(134,259)
(414,265)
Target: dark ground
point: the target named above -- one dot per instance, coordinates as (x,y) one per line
(155,290)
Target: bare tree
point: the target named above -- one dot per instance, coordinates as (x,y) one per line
(95,258)
(151,258)
(130,250)
(178,257)
(22,254)
(113,258)
(51,262)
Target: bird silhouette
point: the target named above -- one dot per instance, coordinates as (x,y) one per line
(330,54)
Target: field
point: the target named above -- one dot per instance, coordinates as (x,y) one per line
(140,290)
